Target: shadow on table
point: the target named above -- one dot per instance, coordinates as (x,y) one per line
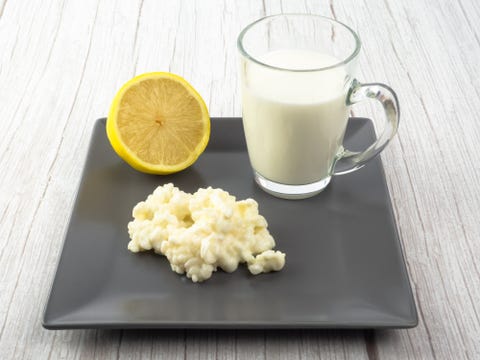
(247,341)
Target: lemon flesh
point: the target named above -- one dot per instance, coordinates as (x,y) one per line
(158,123)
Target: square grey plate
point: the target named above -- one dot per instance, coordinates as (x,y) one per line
(344,268)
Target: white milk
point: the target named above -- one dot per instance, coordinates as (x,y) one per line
(294,121)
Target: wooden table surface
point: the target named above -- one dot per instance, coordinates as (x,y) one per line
(61,62)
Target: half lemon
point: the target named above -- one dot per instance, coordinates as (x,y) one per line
(158,123)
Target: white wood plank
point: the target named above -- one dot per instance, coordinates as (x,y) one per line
(250,345)
(152,344)
(201,345)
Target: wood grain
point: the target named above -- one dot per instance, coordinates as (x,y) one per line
(60,65)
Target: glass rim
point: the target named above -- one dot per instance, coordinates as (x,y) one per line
(241,49)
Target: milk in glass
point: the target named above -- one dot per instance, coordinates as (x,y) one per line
(294,121)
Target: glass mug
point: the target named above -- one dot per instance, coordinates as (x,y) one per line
(297,78)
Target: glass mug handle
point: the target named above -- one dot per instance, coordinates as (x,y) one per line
(348,161)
